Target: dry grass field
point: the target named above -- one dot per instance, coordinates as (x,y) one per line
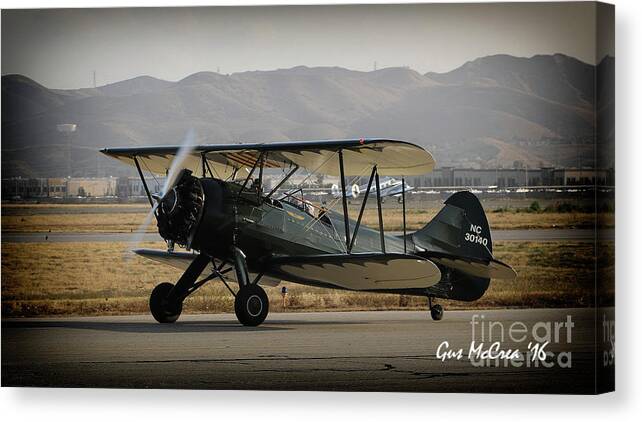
(73,218)
(94,279)
(416,219)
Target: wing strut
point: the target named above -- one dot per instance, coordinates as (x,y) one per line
(249,176)
(285,179)
(403,205)
(259,188)
(206,165)
(381,236)
(346,219)
(375,175)
(142,178)
(363,207)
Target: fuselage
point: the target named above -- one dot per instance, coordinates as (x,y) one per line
(285,227)
(290,227)
(217,217)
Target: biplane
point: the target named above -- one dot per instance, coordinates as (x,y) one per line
(388,187)
(214,205)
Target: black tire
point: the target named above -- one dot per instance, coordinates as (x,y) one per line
(251,305)
(437,312)
(163,310)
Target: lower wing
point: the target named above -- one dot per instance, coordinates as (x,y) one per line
(358,271)
(181,260)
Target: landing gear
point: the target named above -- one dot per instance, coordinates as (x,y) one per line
(166,300)
(436,310)
(251,305)
(163,309)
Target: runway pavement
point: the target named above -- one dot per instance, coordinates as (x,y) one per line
(352,351)
(509,235)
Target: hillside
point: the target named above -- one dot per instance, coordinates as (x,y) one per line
(487,112)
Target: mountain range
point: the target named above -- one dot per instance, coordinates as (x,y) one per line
(493,111)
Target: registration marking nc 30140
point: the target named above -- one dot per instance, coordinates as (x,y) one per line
(474,235)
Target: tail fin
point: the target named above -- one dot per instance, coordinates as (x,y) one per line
(459,229)
(459,238)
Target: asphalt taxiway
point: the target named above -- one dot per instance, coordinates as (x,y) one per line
(362,351)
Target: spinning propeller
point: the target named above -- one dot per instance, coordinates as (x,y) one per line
(167,198)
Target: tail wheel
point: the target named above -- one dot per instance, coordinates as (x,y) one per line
(437,312)
(162,309)
(251,305)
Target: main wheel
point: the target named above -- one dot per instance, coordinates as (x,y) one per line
(437,312)
(163,310)
(251,305)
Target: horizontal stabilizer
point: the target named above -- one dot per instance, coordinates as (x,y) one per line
(476,267)
(368,271)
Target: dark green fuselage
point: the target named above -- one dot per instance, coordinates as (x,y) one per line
(279,227)
(262,228)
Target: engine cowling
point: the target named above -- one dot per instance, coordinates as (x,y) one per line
(191,213)
(179,211)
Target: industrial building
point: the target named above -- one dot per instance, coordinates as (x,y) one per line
(546,176)
(132,187)
(57,187)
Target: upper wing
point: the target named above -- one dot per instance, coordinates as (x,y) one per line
(358,271)
(360,155)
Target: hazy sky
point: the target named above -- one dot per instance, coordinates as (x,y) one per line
(61,48)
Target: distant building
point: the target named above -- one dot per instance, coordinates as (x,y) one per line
(132,187)
(24,188)
(547,176)
(91,187)
(58,187)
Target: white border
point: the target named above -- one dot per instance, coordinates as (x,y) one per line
(97,405)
